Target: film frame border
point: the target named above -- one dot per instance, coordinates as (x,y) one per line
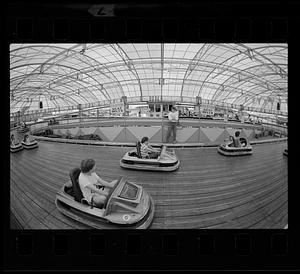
(167,247)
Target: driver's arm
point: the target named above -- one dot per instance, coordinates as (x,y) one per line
(95,189)
(105,183)
(153,149)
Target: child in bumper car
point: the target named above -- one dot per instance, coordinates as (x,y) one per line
(92,186)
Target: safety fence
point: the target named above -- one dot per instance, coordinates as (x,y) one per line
(129,130)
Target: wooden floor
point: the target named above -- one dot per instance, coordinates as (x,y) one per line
(207,191)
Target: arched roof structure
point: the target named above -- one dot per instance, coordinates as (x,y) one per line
(61,75)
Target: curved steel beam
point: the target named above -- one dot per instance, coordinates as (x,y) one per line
(231,57)
(193,63)
(65,84)
(63,94)
(71,68)
(75,53)
(126,61)
(263,56)
(251,76)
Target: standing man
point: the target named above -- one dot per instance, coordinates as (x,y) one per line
(173,121)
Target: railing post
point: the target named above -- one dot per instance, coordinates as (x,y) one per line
(125,128)
(162,129)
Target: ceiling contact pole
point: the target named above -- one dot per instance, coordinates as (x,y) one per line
(161,90)
(198,103)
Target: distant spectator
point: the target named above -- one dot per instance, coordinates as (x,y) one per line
(173,122)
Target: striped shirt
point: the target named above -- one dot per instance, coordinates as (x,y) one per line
(144,150)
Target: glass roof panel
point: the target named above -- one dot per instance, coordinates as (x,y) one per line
(220,72)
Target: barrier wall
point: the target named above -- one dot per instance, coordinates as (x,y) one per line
(210,132)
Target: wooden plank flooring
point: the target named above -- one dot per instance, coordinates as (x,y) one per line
(207,191)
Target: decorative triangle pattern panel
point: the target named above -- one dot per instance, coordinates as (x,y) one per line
(214,134)
(140,132)
(63,131)
(184,134)
(121,137)
(102,136)
(111,132)
(88,130)
(194,138)
(79,132)
(157,137)
(73,131)
(221,138)
(203,138)
(231,131)
(164,134)
(130,137)
(249,133)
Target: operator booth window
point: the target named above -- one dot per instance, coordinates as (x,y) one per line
(157,108)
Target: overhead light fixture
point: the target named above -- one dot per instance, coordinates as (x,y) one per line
(83,49)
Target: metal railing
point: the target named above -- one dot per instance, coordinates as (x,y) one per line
(175,99)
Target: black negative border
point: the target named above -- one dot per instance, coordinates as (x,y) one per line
(262,22)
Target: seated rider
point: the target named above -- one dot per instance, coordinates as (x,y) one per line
(235,140)
(92,185)
(12,140)
(26,138)
(147,150)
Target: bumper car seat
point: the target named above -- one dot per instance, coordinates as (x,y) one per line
(74,175)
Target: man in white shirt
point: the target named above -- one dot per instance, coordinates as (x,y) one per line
(173,121)
(92,185)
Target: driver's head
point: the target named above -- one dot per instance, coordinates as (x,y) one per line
(87,165)
(237,134)
(145,140)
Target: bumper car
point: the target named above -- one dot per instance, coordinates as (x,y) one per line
(285,152)
(228,150)
(167,161)
(30,145)
(16,147)
(94,137)
(53,122)
(126,206)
